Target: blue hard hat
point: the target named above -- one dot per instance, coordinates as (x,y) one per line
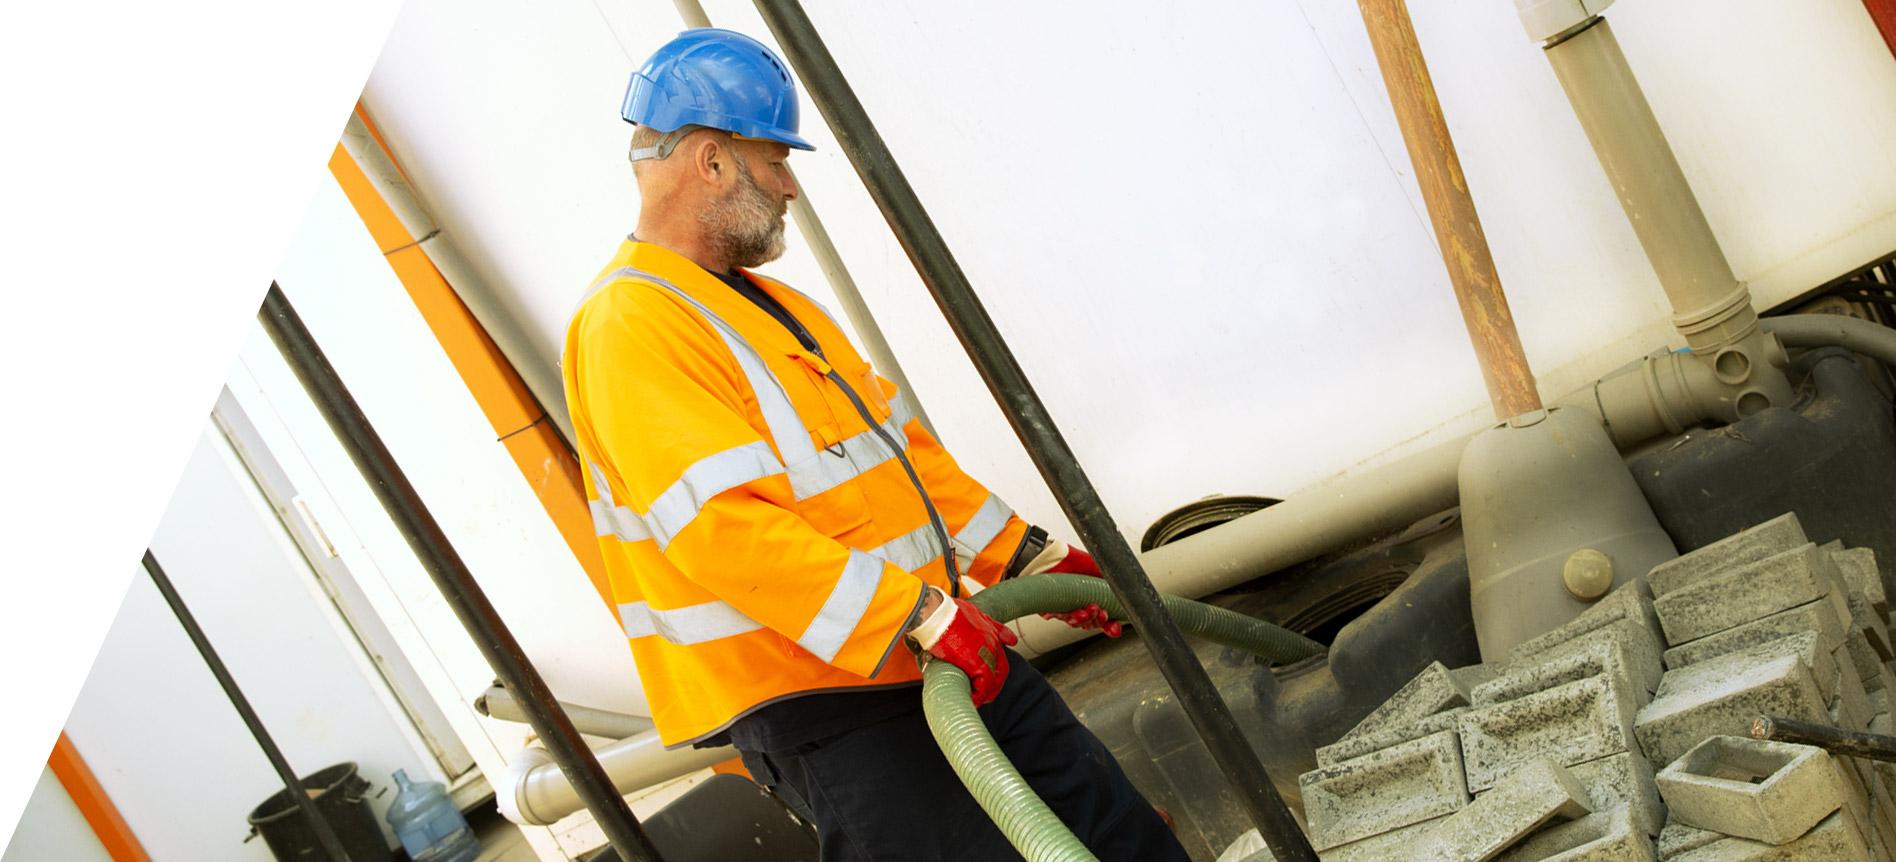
(716,78)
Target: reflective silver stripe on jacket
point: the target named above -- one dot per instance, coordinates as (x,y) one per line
(900,412)
(844,608)
(910,551)
(811,471)
(692,624)
(984,527)
(710,476)
(610,519)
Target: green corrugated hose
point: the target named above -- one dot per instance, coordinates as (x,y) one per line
(1027,822)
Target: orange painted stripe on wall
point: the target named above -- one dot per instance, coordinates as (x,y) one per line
(518,420)
(100,813)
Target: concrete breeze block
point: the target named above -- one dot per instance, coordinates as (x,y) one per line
(1390,846)
(1772,537)
(1625,615)
(1385,790)
(1623,780)
(1604,836)
(1431,691)
(1539,791)
(1850,706)
(1677,838)
(1834,840)
(1818,616)
(1591,656)
(1722,696)
(1766,791)
(1857,650)
(1859,571)
(1570,724)
(1740,595)
(1352,747)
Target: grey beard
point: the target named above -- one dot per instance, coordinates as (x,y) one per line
(744,227)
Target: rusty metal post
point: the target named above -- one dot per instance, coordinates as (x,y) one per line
(1445,190)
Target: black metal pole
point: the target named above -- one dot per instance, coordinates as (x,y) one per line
(456,583)
(1836,740)
(930,255)
(325,834)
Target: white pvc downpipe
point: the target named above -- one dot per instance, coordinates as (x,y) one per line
(534,792)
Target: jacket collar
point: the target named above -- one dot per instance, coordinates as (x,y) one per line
(756,325)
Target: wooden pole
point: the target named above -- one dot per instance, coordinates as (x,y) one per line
(1445,190)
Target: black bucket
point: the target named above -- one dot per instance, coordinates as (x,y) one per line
(342,799)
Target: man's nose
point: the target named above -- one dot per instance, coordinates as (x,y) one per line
(789,185)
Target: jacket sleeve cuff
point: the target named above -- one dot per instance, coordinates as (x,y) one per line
(1032,542)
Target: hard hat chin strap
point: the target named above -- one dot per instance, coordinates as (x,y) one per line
(666,143)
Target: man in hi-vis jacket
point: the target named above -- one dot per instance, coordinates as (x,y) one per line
(777,525)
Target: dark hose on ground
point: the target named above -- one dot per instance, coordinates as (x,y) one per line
(1022,816)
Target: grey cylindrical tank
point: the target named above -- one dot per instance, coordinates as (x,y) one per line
(1534,491)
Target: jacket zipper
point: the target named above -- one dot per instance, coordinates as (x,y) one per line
(900,452)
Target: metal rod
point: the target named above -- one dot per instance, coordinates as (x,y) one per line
(451,576)
(1451,208)
(325,834)
(1836,740)
(979,337)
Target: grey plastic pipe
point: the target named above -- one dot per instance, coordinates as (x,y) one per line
(1835,330)
(498,702)
(1309,524)
(990,777)
(535,792)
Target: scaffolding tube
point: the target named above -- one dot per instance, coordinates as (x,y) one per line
(1051,455)
(451,576)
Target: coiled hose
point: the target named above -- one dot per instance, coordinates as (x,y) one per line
(990,777)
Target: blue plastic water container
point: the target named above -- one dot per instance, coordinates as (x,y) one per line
(431,829)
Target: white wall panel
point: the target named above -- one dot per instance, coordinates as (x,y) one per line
(1198,229)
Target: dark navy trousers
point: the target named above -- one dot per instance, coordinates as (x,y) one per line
(884,792)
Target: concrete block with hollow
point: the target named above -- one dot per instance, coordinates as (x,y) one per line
(1770,538)
(1624,779)
(1627,607)
(1721,697)
(1395,845)
(1746,593)
(1353,747)
(1429,692)
(1592,657)
(1860,573)
(1385,790)
(1610,835)
(1570,724)
(1677,838)
(1749,788)
(1532,795)
(1819,617)
(1833,840)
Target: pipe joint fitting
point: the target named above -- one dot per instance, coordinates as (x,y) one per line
(1727,320)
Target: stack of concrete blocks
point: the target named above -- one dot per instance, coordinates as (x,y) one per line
(1767,623)
(1551,754)
(1533,758)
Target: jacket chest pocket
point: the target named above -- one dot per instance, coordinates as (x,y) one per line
(825,477)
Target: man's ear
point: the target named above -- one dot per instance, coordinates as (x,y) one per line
(710,159)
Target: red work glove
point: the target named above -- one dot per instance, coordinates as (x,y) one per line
(962,635)
(1075,562)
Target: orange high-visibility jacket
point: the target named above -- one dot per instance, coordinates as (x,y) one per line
(768,515)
